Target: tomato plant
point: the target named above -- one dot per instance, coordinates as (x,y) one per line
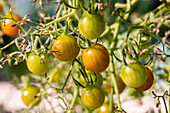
(148,83)
(28,95)
(91,25)
(38,64)
(8,25)
(134,75)
(65,48)
(80,44)
(120,84)
(96,58)
(92,96)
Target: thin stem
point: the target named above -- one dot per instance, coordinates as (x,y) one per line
(113,75)
(71,68)
(61,18)
(111,97)
(75,96)
(19,38)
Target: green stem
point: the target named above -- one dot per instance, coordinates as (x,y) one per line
(75,96)
(19,38)
(31,22)
(61,18)
(169,87)
(71,68)
(92,6)
(35,43)
(111,97)
(113,75)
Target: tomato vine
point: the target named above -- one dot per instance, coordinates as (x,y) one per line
(78,38)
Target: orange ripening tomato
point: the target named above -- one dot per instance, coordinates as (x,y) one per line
(65,48)
(105,108)
(120,84)
(7,25)
(148,83)
(96,58)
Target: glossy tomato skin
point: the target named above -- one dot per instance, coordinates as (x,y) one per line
(99,79)
(149,81)
(6,27)
(91,26)
(120,84)
(38,64)
(29,93)
(67,47)
(96,58)
(134,75)
(92,96)
(105,108)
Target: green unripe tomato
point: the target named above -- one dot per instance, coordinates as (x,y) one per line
(28,95)
(133,75)
(92,96)
(91,26)
(38,64)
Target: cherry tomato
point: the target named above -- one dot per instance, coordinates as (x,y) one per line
(148,83)
(96,58)
(105,108)
(92,96)
(28,95)
(7,25)
(134,75)
(38,64)
(98,77)
(120,84)
(91,26)
(67,48)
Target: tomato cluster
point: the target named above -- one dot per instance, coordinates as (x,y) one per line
(80,47)
(133,75)
(137,76)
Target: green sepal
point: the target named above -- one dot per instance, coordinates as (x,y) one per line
(77,83)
